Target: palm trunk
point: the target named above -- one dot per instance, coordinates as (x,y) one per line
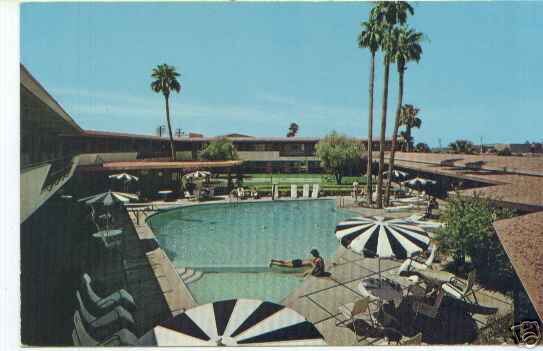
(395,134)
(172,147)
(409,141)
(382,139)
(370,132)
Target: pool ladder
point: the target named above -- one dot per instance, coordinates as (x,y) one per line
(340,202)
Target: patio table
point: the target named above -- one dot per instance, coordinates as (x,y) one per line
(384,289)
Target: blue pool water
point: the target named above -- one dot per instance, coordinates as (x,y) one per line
(231,242)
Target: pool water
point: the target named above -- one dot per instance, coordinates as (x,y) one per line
(234,242)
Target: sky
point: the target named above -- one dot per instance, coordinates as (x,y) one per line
(253,68)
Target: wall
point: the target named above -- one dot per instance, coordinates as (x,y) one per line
(32,180)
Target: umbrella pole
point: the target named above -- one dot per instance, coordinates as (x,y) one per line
(379,271)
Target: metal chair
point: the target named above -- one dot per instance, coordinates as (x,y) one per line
(460,289)
(357,310)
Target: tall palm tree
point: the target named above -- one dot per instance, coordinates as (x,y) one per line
(165,82)
(410,119)
(370,38)
(405,48)
(388,14)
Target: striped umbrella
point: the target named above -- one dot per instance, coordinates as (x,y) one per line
(237,322)
(397,174)
(108,198)
(420,183)
(198,175)
(382,237)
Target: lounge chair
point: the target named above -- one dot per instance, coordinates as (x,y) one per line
(81,336)
(416,263)
(105,325)
(315,191)
(399,208)
(460,289)
(305,192)
(431,311)
(293,191)
(120,297)
(358,310)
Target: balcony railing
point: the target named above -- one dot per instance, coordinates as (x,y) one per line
(60,169)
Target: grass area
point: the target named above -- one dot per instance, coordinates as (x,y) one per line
(262,182)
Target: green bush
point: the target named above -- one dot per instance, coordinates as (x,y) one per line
(468,231)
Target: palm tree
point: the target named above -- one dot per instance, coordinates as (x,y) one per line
(166,81)
(410,119)
(388,14)
(370,38)
(293,130)
(405,47)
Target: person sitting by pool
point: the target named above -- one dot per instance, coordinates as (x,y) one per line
(317,263)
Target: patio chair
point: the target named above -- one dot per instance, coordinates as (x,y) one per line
(315,191)
(81,336)
(120,297)
(305,192)
(358,310)
(460,289)
(105,325)
(293,191)
(241,194)
(431,311)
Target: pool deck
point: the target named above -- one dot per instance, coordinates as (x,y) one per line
(318,299)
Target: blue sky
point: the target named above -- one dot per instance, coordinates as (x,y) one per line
(253,68)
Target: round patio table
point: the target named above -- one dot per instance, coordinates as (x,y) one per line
(384,289)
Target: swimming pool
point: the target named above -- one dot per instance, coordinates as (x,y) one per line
(234,242)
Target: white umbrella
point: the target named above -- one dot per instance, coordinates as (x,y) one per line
(198,175)
(382,237)
(397,174)
(109,198)
(236,322)
(124,176)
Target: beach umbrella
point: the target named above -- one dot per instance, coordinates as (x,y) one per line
(236,322)
(420,183)
(108,198)
(382,237)
(198,175)
(397,174)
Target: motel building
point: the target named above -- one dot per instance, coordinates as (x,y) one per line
(60,163)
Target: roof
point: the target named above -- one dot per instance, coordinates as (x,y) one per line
(32,86)
(192,138)
(522,239)
(148,165)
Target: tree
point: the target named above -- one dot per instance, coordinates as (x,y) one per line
(370,38)
(292,130)
(410,119)
(462,146)
(468,232)
(219,150)
(166,81)
(422,147)
(405,47)
(387,14)
(337,152)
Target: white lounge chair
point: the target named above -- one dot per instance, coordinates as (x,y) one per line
(275,191)
(105,325)
(305,192)
(81,336)
(293,191)
(315,191)
(120,297)
(416,264)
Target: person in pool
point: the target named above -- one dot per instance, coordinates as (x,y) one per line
(317,262)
